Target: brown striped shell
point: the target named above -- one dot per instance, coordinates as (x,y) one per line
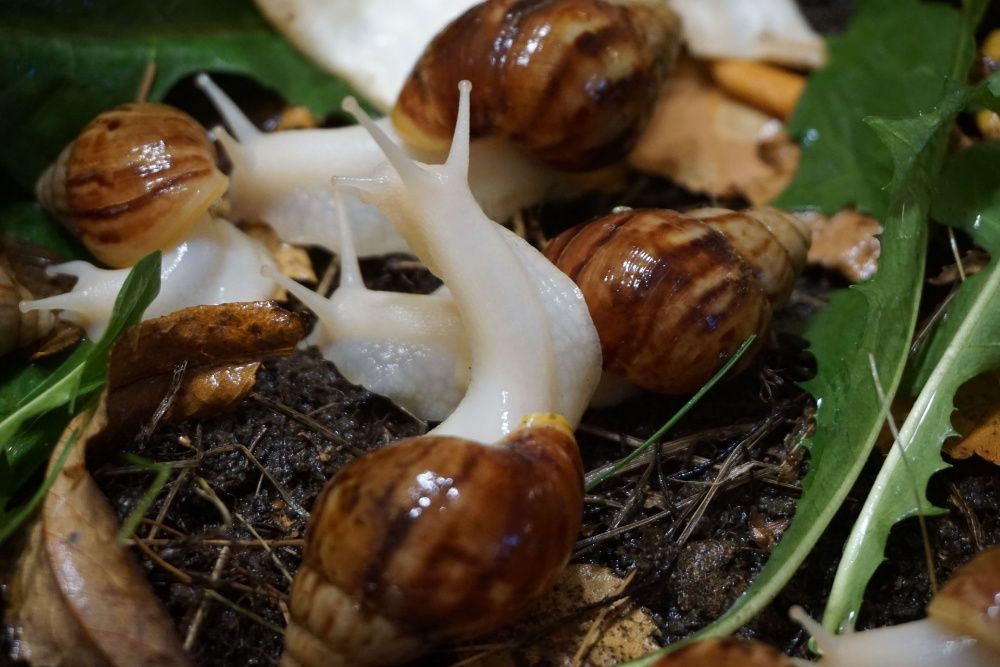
(726,652)
(572,82)
(135,180)
(969,603)
(674,295)
(433,539)
(19,329)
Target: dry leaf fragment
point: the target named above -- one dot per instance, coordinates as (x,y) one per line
(292,260)
(973,261)
(623,633)
(977,418)
(771,89)
(77,597)
(845,242)
(726,652)
(712,144)
(216,348)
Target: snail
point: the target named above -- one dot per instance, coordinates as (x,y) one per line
(450,535)
(610,56)
(570,82)
(18,329)
(136,179)
(962,628)
(674,295)
(408,347)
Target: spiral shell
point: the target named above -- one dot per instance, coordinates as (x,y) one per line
(433,539)
(19,329)
(135,180)
(673,296)
(968,603)
(726,652)
(572,82)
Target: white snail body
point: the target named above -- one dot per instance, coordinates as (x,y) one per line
(479,516)
(216,263)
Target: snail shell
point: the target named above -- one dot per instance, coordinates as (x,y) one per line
(572,82)
(968,603)
(674,295)
(726,652)
(135,180)
(433,539)
(18,329)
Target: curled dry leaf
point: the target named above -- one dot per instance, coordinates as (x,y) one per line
(977,419)
(712,144)
(606,636)
(77,598)
(845,242)
(293,261)
(726,652)
(216,348)
(973,261)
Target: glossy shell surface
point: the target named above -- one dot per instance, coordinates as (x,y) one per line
(572,82)
(135,180)
(670,296)
(430,540)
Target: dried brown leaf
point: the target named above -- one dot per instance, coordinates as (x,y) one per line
(77,598)
(216,350)
(977,418)
(726,652)
(845,242)
(973,261)
(622,633)
(293,261)
(710,143)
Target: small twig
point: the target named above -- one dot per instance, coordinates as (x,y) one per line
(953,242)
(168,502)
(256,618)
(208,493)
(199,614)
(146,84)
(588,542)
(181,576)
(289,501)
(885,402)
(146,432)
(326,432)
(593,631)
(709,494)
(976,533)
(267,547)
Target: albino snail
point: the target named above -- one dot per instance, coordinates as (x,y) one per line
(443,537)
(408,347)
(17,328)
(139,178)
(962,630)
(674,295)
(136,179)
(589,68)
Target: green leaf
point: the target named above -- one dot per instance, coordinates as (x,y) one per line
(64,61)
(28,222)
(963,346)
(26,437)
(876,69)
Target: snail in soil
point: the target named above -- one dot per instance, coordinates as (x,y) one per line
(450,535)
(962,630)
(138,178)
(673,295)
(19,329)
(567,83)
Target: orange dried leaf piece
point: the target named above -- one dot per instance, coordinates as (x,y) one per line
(77,597)
(726,652)
(713,144)
(977,419)
(195,362)
(292,260)
(603,638)
(845,242)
